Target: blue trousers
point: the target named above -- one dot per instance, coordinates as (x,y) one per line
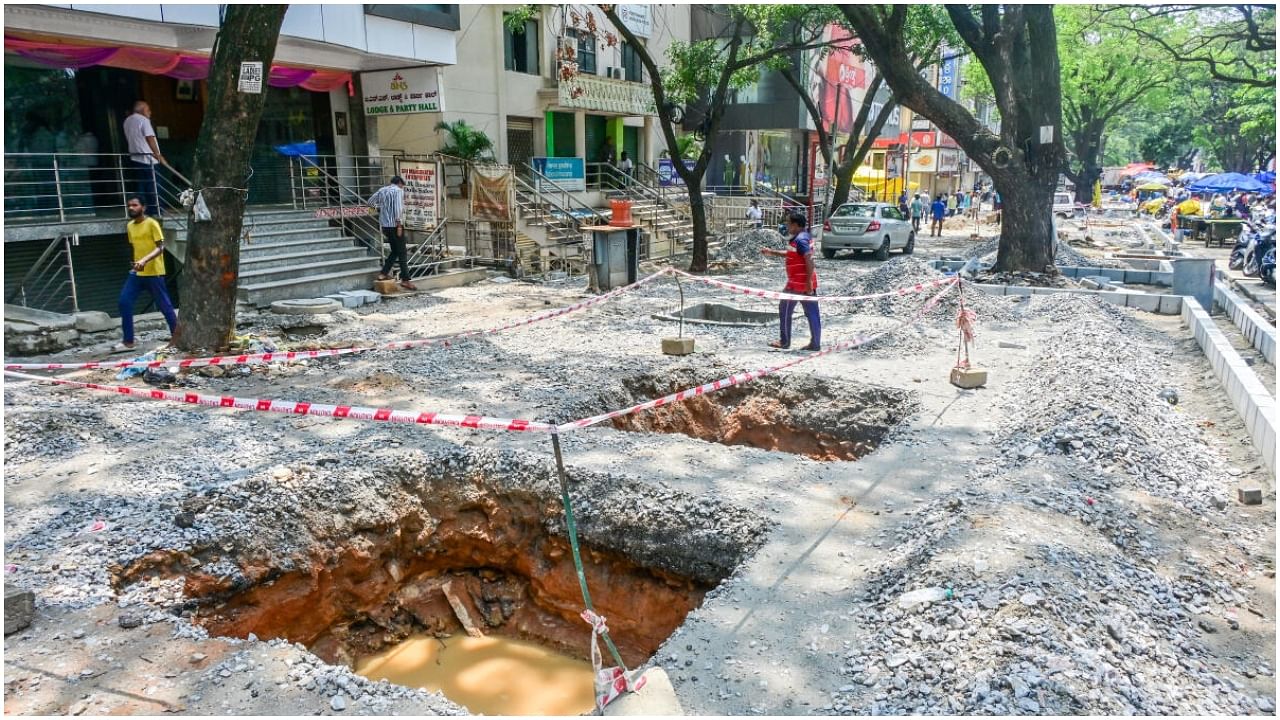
(133,287)
(787,308)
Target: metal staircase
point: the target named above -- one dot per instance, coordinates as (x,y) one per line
(654,208)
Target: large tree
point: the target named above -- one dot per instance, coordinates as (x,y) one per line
(248,34)
(1234,44)
(698,76)
(1018,49)
(1107,71)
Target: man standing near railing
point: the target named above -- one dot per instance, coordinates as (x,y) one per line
(144,155)
(390,203)
(145,273)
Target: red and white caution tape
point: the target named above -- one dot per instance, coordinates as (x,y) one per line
(746,377)
(773,295)
(292,407)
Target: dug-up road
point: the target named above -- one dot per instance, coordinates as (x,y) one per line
(1064,540)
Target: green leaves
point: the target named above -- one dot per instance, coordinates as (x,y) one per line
(465,141)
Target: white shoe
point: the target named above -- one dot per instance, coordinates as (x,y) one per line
(121,347)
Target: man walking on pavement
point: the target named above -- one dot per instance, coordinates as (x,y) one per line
(144,155)
(145,273)
(390,203)
(939,210)
(917,211)
(802,279)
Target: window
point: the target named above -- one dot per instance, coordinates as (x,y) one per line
(586,50)
(520,49)
(444,17)
(632,68)
(855,211)
(890,213)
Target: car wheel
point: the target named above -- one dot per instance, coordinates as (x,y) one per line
(910,247)
(828,253)
(883,252)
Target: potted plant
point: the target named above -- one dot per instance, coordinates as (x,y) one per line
(468,143)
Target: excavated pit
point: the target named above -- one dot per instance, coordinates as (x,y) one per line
(495,542)
(820,418)
(720,314)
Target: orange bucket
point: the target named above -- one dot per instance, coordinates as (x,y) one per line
(621,216)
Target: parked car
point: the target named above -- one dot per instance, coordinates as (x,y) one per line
(867,226)
(1064,205)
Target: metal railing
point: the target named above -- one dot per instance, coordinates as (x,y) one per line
(314,186)
(56,188)
(50,282)
(430,253)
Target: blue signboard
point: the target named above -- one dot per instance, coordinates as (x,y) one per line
(948,83)
(667,175)
(568,173)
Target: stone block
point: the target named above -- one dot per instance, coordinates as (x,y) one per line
(95,321)
(19,609)
(367,297)
(677,345)
(657,697)
(1246,495)
(386,287)
(347,300)
(968,378)
(1146,303)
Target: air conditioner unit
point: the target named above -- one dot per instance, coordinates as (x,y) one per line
(615,73)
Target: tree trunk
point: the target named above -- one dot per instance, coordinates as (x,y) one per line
(698,212)
(209,281)
(1022,218)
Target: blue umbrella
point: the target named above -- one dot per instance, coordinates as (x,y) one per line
(1228,182)
(1266,178)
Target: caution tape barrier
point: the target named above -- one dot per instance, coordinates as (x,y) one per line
(476,422)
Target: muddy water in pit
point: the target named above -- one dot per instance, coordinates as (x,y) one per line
(491,675)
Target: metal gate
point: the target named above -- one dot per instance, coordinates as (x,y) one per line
(519,141)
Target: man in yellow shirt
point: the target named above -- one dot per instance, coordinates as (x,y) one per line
(145,273)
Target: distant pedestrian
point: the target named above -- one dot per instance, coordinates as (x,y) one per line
(626,166)
(755,215)
(951,204)
(917,212)
(802,279)
(390,203)
(146,272)
(939,212)
(144,155)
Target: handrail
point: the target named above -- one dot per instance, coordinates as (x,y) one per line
(40,284)
(39,263)
(539,178)
(358,220)
(433,241)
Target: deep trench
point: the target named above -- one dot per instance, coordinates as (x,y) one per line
(504,554)
(820,418)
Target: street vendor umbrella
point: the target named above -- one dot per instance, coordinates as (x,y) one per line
(1151,176)
(1228,182)
(1135,168)
(1152,187)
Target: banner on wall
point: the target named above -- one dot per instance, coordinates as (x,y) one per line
(421,194)
(637,18)
(492,192)
(561,173)
(667,175)
(402,92)
(924,161)
(948,161)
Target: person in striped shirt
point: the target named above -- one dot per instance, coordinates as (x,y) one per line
(390,203)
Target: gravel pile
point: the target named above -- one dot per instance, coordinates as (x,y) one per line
(904,271)
(1067,256)
(1043,586)
(745,247)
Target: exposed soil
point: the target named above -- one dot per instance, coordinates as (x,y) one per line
(822,420)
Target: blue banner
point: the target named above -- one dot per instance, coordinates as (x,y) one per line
(667,175)
(948,83)
(568,173)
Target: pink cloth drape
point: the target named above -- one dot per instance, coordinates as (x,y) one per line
(162,62)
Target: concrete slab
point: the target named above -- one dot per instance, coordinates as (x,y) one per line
(368,297)
(95,321)
(657,697)
(42,319)
(308,306)
(347,300)
(1170,304)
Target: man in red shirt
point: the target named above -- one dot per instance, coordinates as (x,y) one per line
(802,279)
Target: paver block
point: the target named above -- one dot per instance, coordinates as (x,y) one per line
(368,297)
(677,345)
(1170,304)
(968,378)
(1249,495)
(1147,303)
(386,287)
(347,300)
(19,609)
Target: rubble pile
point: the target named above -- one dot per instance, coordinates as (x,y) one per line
(1067,256)
(904,271)
(744,247)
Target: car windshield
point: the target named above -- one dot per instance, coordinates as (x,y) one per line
(1062,200)
(855,211)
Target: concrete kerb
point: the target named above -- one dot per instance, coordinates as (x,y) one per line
(1248,395)
(1258,331)
(1161,304)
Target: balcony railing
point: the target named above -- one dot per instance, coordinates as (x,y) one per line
(590,92)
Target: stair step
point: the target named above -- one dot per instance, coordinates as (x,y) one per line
(259,249)
(349,252)
(268,275)
(264,293)
(322,232)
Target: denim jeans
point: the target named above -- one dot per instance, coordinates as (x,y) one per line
(133,287)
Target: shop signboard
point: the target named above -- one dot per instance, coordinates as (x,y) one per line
(402,92)
(924,161)
(948,161)
(948,83)
(637,18)
(567,173)
(667,175)
(421,194)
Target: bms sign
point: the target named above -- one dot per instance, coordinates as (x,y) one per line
(400,92)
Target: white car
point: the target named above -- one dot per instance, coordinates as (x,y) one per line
(867,226)
(1064,205)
